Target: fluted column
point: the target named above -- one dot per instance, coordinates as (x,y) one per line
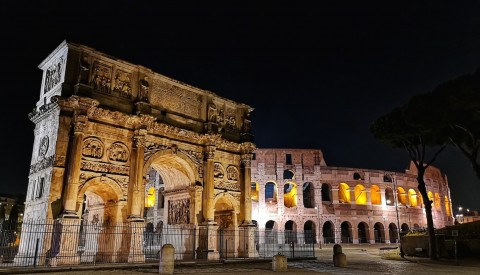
(246,194)
(135,190)
(208,186)
(71,192)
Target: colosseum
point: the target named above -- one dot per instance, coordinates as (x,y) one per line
(341,205)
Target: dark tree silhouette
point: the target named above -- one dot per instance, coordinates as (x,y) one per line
(395,130)
(452,110)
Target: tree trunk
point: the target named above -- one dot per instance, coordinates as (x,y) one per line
(428,212)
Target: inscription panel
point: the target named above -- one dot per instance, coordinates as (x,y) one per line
(175,98)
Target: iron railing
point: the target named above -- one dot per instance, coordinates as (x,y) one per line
(73,242)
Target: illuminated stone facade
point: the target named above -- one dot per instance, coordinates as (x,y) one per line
(294,189)
(107,130)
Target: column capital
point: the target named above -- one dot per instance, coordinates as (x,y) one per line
(210,152)
(247,147)
(139,138)
(79,123)
(246,160)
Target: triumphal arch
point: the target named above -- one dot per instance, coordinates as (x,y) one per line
(106,129)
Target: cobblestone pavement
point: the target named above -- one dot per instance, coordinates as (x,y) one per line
(360,260)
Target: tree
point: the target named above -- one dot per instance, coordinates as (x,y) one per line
(395,130)
(452,110)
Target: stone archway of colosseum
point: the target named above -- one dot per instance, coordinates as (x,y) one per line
(178,174)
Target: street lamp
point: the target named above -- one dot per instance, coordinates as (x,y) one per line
(394,181)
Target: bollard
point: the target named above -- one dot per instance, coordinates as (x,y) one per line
(167,259)
(337,249)
(279,263)
(339,259)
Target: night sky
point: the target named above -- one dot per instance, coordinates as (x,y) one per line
(318,73)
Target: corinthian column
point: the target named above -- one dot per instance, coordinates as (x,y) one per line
(246,196)
(135,188)
(208,186)
(71,192)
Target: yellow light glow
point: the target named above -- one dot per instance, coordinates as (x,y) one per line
(343,193)
(412,197)
(360,194)
(375,195)
(150,199)
(290,198)
(437,201)
(254,191)
(447,206)
(402,196)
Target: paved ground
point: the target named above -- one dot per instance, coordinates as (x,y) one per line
(361,259)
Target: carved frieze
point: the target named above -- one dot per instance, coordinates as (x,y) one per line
(175,132)
(115,116)
(102,77)
(232,173)
(175,98)
(42,164)
(179,211)
(92,148)
(218,171)
(53,75)
(151,148)
(123,85)
(43,147)
(195,156)
(118,152)
(227,185)
(104,167)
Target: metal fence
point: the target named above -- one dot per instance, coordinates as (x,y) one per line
(71,242)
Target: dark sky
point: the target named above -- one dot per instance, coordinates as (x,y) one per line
(318,73)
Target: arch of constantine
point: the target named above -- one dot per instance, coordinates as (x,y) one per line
(104,130)
(122,154)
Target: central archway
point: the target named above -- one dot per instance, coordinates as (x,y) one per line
(227,211)
(171,174)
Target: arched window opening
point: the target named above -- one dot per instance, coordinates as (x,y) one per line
(363,236)
(308,196)
(379,232)
(357,176)
(327,229)
(430,198)
(438,201)
(343,193)
(405,228)
(387,178)
(375,195)
(389,199)
(401,196)
(288,175)
(309,231)
(393,232)
(326,192)
(447,207)
(360,194)
(270,192)
(290,194)
(290,232)
(270,232)
(346,231)
(412,198)
(254,191)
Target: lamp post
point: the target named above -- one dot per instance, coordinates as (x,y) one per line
(394,181)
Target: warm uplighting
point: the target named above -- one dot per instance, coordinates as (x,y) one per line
(150,199)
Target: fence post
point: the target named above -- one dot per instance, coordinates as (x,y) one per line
(293,250)
(226,249)
(36,254)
